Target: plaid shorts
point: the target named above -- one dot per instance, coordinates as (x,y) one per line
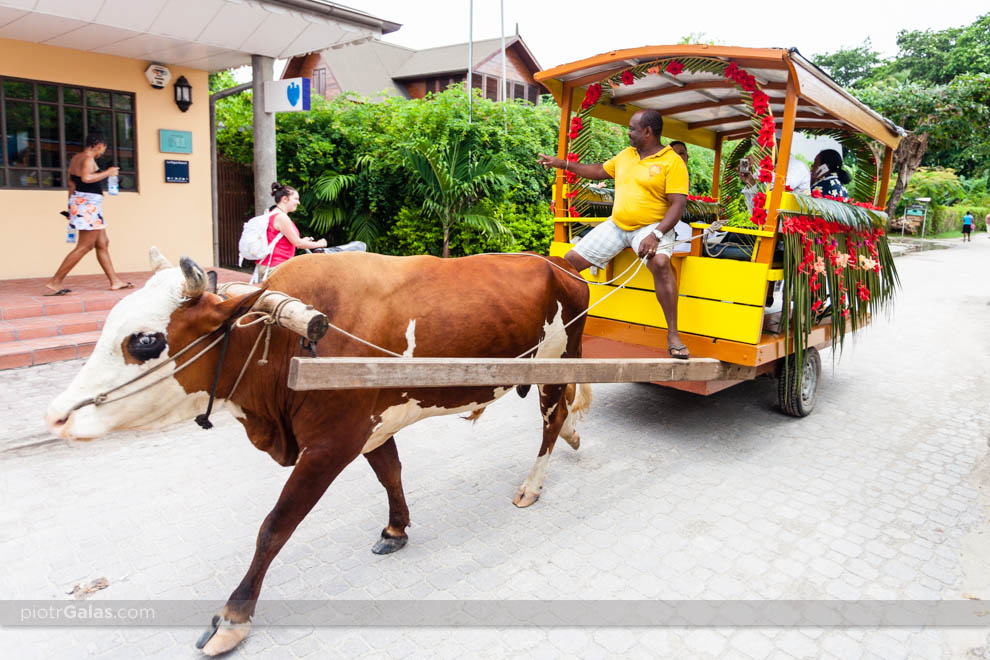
(607,240)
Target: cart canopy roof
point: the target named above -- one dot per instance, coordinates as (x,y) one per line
(699,107)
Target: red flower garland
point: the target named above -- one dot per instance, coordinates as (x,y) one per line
(576,127)
(674,68)
(628,78)
(759,216)
(591,96)
(703,198)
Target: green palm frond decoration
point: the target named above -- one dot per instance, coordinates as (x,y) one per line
(854,217)
(866,175)
(698,211)
(732,205)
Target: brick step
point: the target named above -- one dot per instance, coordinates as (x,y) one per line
(36,327)
(23,307)
(30,352)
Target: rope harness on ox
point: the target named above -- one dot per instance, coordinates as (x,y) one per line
(270,319)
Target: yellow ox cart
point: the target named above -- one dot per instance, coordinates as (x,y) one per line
(713,96)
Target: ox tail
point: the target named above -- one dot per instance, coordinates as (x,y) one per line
(522,390)
(578,399)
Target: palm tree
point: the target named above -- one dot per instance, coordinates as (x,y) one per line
(452,184)
(329,207)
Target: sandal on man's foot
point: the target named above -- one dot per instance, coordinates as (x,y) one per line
(678,352)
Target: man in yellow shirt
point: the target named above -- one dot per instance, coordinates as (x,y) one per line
(651,186)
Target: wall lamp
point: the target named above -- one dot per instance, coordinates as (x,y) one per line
(183,93)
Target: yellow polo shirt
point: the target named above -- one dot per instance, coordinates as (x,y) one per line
(642,186)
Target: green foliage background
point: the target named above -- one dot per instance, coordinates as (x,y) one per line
(336,133)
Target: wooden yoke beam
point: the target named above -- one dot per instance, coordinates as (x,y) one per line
(351,373)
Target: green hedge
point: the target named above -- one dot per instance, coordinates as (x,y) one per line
(335,134)
(949,218)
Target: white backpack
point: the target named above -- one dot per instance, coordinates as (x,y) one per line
(253,244)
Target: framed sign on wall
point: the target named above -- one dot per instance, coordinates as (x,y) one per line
(174,142)
(176,171)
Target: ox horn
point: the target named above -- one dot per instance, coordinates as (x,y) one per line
(158,260)
(196,281)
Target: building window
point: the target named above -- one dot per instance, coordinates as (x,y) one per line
(320,81)
(491,88)
(534,94)
(43,125)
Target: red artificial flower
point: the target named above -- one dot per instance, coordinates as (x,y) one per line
(576,127)
(759,216)
(761,103)
(573,212)
(788,189)
(845,313)
(815,306)
(572,194)
(553,210)
(591,96)
(628,78)
(862,292)
(570,177)
(766,176)
(573,157)
(674,68)
(817,194)
(766,163)
(766,138)
(759,199)
(732,70)
(747,82)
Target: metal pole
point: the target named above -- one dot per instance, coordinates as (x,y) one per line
(504,97)
(924,221)
(264,133)
(470,63)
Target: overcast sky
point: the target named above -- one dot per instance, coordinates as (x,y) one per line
(559,32)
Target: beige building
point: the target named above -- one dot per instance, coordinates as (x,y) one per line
(68,67)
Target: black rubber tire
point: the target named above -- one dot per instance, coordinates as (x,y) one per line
(795,402)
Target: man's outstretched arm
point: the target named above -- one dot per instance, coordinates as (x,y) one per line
(593,171)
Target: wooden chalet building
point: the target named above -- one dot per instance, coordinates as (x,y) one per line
(376,68)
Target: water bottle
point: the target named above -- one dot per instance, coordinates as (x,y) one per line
(70,236)
(112,188)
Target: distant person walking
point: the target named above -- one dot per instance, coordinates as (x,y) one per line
(86,215)
(968,227)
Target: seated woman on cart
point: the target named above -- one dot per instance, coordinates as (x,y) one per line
(651,186)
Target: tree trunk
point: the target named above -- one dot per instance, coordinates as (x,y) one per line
(446,243)
(907,158)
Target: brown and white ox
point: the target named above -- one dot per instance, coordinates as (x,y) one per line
(480,306)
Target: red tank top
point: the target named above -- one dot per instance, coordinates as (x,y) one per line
(284,250)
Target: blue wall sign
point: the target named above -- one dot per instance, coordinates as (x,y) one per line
(176,171)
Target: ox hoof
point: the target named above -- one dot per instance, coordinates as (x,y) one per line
(389,543)
(574,440)
(222,636)
(525,497)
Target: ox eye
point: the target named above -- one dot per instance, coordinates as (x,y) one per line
(146,345)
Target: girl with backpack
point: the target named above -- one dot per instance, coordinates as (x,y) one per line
(280,226)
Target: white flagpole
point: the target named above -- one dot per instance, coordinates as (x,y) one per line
(505,119)
(470,53)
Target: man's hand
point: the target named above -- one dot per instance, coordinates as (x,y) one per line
(550,161)
(648,247)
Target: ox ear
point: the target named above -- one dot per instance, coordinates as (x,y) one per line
(158,260)
(196,280)
(211,281)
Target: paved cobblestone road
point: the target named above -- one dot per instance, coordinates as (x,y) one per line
(880,494)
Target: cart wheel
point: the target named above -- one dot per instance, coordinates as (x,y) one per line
(800,402)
